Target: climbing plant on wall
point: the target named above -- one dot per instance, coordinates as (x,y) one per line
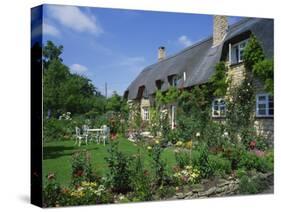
(241,98)
(219,81)
(256,63)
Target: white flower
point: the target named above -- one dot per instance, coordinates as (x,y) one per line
(198,134)
(225,134)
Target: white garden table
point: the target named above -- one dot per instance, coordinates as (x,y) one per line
(97,131)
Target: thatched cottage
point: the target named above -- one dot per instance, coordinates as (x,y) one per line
(195,65)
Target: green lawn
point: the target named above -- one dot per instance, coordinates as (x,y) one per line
(57,157)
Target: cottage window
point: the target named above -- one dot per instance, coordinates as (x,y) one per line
(264,105)
(145,93)
(145,113)
(174,80)
(218,107)
(237,51)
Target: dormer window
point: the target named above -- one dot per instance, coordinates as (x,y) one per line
(237,51)
(142,92)
(173,80)
(159,84)
(145,93)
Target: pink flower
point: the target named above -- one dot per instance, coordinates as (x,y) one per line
(259,153)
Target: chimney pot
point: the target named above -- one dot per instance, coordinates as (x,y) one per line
(161,53)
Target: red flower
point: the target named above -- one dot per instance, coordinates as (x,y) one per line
(145,173)
(78,173)
(252,144)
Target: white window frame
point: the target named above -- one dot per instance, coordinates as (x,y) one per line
(266,102)
(145,113)
(220,106)
(173,116)
(239,51)
(184,76)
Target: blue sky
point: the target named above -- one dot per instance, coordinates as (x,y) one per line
(113,45)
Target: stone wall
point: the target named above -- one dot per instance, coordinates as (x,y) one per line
(144,103)
(223,188)
(236,73)
(264,126)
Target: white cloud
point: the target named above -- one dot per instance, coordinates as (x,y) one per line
(78,68)
(50,30)
(184,40)
(75,19)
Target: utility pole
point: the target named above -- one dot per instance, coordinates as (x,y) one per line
(105,87)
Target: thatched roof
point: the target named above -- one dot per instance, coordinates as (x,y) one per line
(199,60)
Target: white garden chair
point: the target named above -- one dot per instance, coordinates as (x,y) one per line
(85,132)
(78,136)
(105,133)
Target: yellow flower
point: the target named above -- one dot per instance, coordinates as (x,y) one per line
(149,147)
(157,142)
(189,144)
(179,143)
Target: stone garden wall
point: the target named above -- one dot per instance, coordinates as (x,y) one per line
(223,188)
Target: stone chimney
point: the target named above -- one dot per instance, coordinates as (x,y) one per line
(220,27)
(161,53)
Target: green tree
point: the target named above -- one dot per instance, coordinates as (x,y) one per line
(64,91)
(51,52)
(114,103)
(53,79)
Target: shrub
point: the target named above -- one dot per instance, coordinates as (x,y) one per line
(187,126)
(251,161)
(159,167)
(233,154)
(51,192)
(187,175)
(213,135)
(81,168)
(203,162)
(87,193)
(252,185)
(55,129)
(166,191)
(173,135)
(182,158)
(220,166)
(119,172)
(140,180)
(241,172)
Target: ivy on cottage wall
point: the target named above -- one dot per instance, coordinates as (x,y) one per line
(256,63)
(219,81)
